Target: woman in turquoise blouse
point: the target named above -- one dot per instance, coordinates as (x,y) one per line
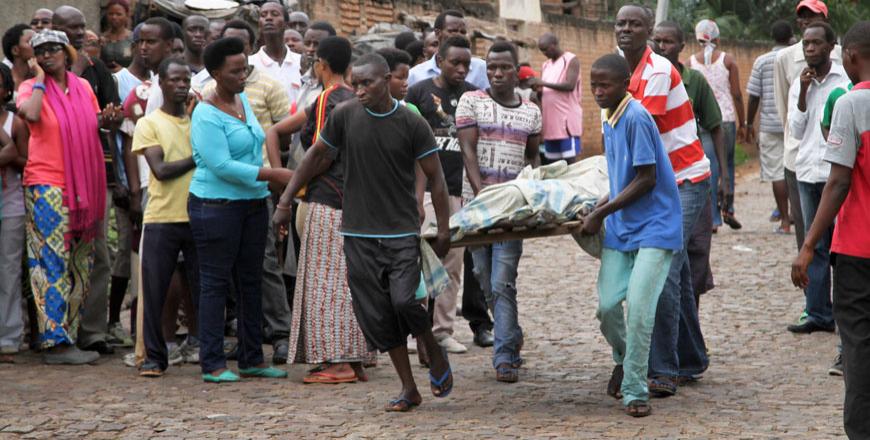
(228,214)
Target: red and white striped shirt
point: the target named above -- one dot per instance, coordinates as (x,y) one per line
(659,88)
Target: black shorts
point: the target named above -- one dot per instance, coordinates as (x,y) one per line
(383,275)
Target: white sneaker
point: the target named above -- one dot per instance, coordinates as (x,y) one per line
(130,360)
(452,345)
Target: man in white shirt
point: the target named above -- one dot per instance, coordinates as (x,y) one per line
(275,58)
(788,66)
(448,24)
(806,102)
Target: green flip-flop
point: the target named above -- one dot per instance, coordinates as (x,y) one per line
(269,372)
(226,376)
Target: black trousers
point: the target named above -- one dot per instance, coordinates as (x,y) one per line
(852,315)
(474,308)
(383,275)
(160,247)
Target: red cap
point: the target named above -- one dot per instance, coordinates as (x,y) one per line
(816,6)
(526,72)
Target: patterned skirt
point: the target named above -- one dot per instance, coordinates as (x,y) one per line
(324,325)
(59,271)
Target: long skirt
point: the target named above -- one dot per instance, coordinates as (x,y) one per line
(59,271)
(324,326)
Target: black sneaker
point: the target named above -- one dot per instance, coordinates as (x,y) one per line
(837,368)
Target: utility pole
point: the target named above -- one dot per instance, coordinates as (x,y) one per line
(661,11)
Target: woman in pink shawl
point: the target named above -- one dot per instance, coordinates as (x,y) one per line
(64,187)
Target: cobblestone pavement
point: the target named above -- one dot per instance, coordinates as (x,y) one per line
(763,381)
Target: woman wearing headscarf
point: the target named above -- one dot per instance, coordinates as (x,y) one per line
(65,195)
(722,73)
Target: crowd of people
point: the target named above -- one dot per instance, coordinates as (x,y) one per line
(267,183)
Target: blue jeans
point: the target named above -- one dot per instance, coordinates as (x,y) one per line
(818,292)
(710,152)
(729,130)
(230,238)
(635,278)
(677,347)
(495,267)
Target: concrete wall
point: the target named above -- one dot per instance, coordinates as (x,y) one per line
(20,11)
(588,39)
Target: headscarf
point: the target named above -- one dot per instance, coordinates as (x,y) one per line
(705,32)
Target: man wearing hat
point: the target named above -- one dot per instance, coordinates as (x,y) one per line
(789,64)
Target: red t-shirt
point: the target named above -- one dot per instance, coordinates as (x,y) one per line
(45,149)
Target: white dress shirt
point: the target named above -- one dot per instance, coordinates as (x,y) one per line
(810,164)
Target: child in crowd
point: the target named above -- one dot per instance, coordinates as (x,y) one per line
(643,221)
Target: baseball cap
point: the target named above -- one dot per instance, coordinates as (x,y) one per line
(816,6)
(526,72)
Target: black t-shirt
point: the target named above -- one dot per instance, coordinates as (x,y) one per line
(438,107)
(106,90)
(379,153)
(326,188)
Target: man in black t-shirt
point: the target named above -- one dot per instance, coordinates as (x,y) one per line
(436,98)
(381,143)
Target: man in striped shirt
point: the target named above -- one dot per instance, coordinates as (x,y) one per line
(659,88)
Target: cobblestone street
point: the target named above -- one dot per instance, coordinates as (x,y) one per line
(763,381)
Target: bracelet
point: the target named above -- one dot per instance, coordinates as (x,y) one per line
(282,208)
(38,86)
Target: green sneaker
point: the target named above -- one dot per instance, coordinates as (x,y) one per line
(803,317)
(118,337)
(270,372)
(226,376)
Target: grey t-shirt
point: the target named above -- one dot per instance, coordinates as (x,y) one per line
(850,127)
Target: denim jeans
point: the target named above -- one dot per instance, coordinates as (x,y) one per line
(676,307)
(635,278)
(729,130)
(710,152)
(495,267)
(230,237)
(818,292)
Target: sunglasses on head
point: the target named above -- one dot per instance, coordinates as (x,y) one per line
(47,49)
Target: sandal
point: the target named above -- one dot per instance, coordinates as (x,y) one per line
(328,378)
(638,408)
(662,386)
(614,386)
(401,404)
(507,373)
(442,387)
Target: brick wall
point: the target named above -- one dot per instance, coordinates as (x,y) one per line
(589,39)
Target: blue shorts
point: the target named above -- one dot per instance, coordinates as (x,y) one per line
(562,148)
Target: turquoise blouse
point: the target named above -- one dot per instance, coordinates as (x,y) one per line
(228,154)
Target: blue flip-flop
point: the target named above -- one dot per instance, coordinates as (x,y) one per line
(437,383)
(395,402)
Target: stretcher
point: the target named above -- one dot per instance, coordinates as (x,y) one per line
(508,233)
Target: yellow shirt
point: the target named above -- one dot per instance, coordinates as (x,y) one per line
(167,199)
(268,100)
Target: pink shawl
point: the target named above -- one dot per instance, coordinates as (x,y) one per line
(84,169)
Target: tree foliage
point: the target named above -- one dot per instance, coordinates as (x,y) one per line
(750,19)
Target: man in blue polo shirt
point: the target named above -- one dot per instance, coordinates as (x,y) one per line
(643,230)
(448,24)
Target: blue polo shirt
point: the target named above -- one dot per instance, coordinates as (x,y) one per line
(632,139)
(429,69)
